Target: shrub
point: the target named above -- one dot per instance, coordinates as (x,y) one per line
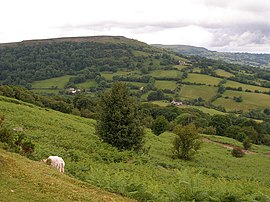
(247,143)
(160,125)
(237,152)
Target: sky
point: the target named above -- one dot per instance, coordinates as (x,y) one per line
(221,25)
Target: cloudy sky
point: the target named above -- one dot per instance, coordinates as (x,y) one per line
(223,25)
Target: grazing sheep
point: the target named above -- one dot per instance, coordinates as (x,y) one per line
(56,162)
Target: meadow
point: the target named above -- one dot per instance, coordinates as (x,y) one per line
(151,175)
(166,73)
(195,91)
(203,79)
(250,100)
(223,73)
(166,84)
(48,83)
(235,84)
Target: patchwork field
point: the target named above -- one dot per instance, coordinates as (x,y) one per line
(195,91)
(235,84)
(48,83)
(166,84)
(166,73)
(202,78)
(87,84)
(204,109)
(223,73)
(250,100)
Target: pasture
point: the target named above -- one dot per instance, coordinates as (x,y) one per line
(166,84)
(48,83)
(152,175)
(250,100)
(165,73)
(235,84)
(87,84)
(223,73)
(195,91)
(202,78)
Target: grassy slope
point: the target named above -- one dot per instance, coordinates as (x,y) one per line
(250,100)
(202,78)
(24,180)
(153,176)
(235,84)
(194,91)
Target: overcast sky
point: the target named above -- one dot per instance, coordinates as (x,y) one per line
(223,25)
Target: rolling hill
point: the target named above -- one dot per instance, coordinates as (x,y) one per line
(252,59)
(214,175)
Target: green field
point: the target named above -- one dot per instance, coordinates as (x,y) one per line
(235,84)
(46,91)
(180,67)
(223,73)
(166,84)
(204,109)
(213,175)
(109,75)
(196,69)
(202,78)
(165,73)
(87,84)
(194,91)
(250,100)
(48,83)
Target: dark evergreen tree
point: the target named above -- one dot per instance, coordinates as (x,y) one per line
(119,122)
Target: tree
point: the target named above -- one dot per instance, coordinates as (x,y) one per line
(160,125)
(221,123)
(187,141)
(118,119)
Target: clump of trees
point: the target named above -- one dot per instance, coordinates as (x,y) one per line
(118,119)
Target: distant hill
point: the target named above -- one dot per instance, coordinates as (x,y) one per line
(252,59)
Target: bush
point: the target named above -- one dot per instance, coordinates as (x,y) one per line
(237,152)
(247,143)
(160,125)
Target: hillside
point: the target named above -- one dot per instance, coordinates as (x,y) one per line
(24,180)
(252,59)
(152,175)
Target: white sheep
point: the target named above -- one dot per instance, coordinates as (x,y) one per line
(56,162)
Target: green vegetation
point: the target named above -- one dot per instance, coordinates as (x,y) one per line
(223,73)
(118,121)
(165,74)
(250,101)
(195,91)
(202,79)
(151,175)
(58,82)
(165,84)
(24,180)
(187,141)
(234,84)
